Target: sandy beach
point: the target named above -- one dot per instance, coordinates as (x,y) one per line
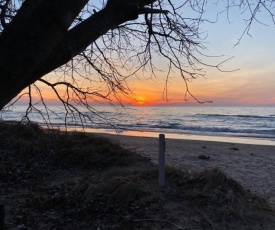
(77,181)
(251,165)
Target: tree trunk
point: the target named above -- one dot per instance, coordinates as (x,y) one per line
(38,41)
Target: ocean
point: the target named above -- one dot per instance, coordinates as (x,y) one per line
(254,123)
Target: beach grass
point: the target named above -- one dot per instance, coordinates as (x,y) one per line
(58,180)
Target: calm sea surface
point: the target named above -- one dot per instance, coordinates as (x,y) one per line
(242,122)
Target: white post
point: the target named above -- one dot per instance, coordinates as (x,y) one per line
(161,160)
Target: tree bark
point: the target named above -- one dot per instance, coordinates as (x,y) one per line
(39,40)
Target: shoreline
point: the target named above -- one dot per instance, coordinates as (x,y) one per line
(181,136)
(250,164)
(253,140)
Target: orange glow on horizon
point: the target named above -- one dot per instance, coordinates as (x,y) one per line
(223,89)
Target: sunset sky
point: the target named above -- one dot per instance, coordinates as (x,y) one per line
(252,82)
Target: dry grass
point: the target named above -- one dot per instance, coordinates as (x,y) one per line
(50,180)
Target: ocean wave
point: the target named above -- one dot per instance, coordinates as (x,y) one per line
(258,122)
(176,127)
(180,128)
(240,116)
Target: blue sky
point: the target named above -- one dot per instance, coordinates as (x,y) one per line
(253,82)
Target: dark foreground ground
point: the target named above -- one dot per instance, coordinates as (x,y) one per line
(76,181)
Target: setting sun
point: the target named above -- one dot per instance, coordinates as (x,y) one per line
(140,100)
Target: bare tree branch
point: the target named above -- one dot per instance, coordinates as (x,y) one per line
(95,46)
